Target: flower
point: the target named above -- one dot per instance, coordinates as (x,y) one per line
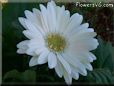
(61,40)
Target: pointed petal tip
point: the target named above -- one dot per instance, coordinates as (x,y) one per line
(26,11)
(64,63)
(68,79)
(20,51)
(89,67)
(33,61)
(42,6)
(31,65)
(84,72)
(86,24)
(43,57)
(17,51)
(34,9)
(53,2)
(52,60)
(21,19)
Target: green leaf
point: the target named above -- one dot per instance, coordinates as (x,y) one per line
(113,80)
(97,78)
(100,76)
(103,78)
(28,76)
(13,74)
(104,55)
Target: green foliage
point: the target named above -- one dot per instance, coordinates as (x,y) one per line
(28,76)
(12,75)
(100,76)
(104,54)
(15,76)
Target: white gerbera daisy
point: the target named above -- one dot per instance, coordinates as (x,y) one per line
(61,40)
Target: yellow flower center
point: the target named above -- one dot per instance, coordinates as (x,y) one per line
(56,42)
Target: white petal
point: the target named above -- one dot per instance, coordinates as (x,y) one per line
(65,64)
(43,58)
(31,35)
(82,71)
(75,74)
(61,17)
(81,55)
(88,66)
(44,18)
(88,33)
(22,21)
(59,69)
(79,29)
(91,44)
(22,47)
(31,17)
(68,78)
(51,10)
(65,21)
(37,13)
(76,17)
(52,61)
(33,61)
(93,56)
(35,50)
(84,34)
(23,44)
(85,44)
(52,2)
(36,42)
(75,63)
(60,11)
(75,21)
(28,34)
(85,57)
(21,51)
(40,50)
(32,27)
(31,51)
(69,59)
(35,19)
